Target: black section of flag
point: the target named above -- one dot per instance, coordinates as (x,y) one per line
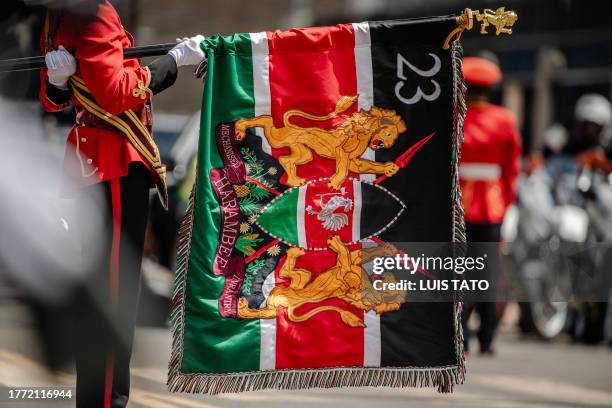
(377,209)
(419,334)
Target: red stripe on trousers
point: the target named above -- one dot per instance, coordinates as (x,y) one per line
(306,74)
(115,185)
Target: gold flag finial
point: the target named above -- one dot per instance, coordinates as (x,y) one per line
(502,20)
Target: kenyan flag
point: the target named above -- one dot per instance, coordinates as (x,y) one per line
(318,148)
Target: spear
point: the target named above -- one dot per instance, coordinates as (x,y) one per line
(405,157)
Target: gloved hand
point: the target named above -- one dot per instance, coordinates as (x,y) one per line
(60,66)
(187,51)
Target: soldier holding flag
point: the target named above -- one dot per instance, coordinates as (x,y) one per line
(110,146)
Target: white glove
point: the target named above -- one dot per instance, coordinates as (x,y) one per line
(187,51)
(60,66)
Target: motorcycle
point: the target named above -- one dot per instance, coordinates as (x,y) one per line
(556,238)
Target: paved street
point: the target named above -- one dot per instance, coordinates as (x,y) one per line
(525,372)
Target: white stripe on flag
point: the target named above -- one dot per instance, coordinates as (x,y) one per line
(267,339)
(365,81)
(356,210)
(261,81)
(261,91)
(299,216)
(365,89)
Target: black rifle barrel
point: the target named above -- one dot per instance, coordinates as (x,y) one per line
(28,63)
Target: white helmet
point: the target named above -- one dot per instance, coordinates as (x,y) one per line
(593,108)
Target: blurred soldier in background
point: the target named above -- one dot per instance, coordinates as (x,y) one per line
(578,178)
(490,160)
(585,152)
(109,146)
(593,118)
(592,149)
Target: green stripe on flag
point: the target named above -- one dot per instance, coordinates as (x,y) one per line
(228,96)
(283,208)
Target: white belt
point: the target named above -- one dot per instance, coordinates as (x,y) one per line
(480,171)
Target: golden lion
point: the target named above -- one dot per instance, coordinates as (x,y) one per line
(346,280)
(345,144)
(502,20)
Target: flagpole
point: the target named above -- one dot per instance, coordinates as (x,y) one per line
(30,63)
(501,20)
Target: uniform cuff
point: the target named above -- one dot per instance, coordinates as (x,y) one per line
(163,73)
(56,95)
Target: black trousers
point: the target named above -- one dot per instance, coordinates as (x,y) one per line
(107,305)
(483,233)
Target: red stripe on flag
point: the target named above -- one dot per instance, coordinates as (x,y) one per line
(317,195)
(306,74)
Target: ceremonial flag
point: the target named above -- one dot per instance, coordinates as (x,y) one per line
(318,148)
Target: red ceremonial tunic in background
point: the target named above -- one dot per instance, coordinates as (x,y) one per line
(490,160)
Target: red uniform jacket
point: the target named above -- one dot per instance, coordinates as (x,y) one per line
(95,152)
(490,160)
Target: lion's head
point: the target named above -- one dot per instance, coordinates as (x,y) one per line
(389,127)
(511,19)
(382,126)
